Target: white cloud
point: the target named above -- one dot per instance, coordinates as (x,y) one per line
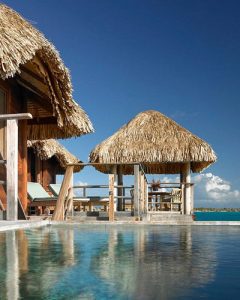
(211,191)
(178,114)
(214,191)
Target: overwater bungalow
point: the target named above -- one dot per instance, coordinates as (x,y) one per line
(34,86)
(160,146)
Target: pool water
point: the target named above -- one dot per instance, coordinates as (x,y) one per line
(125,262)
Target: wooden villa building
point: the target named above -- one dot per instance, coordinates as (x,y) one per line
(33,79)
(160,146)
(46,160)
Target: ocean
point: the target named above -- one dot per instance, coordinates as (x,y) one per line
(217,216)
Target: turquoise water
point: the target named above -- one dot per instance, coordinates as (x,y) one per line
(127,262)
(217,216)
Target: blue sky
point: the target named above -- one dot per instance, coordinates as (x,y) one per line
(179,57)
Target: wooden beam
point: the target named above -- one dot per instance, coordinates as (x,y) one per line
(58,214)
(22,116)
(111,198)
(44,120)
(34,75)
(31,87)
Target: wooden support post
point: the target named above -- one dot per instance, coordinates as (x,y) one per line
(120,191)
(111,198)
(58,214)
(136,190)
(12,170)
(146,195)
(12,162)
(70,205)
(186,177)
(183,198)
(115,189)
(192,198)
(141,183)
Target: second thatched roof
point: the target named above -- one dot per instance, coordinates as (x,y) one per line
(157,142)
(28,57)
(46,149)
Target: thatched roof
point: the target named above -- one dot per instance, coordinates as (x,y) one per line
(33,61)
(156,141)
(46,149)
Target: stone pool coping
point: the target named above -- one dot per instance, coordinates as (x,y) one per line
(139,223)
(13,225)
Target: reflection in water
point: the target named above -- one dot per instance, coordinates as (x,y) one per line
(12,265)
(131,263)
(149,265)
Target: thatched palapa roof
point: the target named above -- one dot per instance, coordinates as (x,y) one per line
(156,141)
(46,149)
(27,56)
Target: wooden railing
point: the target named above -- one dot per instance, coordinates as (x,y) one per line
(142,197)
(170,197)
(139,195)
(94,199)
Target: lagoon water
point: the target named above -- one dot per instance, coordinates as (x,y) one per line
(127,262)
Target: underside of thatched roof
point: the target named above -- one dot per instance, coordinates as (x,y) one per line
(157,142)
(46,149)
(28,57)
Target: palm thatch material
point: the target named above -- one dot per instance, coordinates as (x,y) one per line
(46,149)
(32,60)
(157,142)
